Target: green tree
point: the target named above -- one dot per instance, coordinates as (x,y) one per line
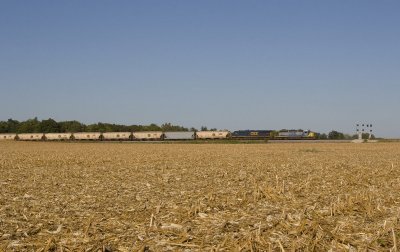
(170,127)
(92,128)
(323,136)
(366,136)
(49,126)
(12,125)
(29,126)
(203,128)
(3,127)
(152,127)
(71,126)
(335,135)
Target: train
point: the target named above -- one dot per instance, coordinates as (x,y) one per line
(165,136)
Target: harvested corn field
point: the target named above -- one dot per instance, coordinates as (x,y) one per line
(199,197)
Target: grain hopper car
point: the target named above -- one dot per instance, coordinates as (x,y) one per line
(181,135)
(30,136)
(148,135)
(116,136)
(8,136)
(57,136)
(213,135)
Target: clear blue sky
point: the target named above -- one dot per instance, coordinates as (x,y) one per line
(317,65)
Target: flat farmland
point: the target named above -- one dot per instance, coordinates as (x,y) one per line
(199,197)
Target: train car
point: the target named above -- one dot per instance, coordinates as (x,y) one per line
(117,135)
(213,134)
(296,134)
(251,134)
(31,136)
(147,135)
(57,136)
(191,135)
(9,136)
(87,136)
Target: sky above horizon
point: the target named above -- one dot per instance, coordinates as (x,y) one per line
(318,65)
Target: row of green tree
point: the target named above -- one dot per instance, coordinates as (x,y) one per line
(336,135)
(51,126)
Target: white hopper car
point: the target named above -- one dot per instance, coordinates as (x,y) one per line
(212,134)
(116,135)
(8,136)
(148,135)
(87,136)
(31,136)
(58,136)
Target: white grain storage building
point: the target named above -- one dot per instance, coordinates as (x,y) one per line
(212,134)
(179,135)
(148,135)
(58,136)
(7,136)
(116,135)
(87,135)
(30,136)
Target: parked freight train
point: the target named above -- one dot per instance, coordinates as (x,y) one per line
(160,136)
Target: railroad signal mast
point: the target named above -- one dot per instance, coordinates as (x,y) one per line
(362,128)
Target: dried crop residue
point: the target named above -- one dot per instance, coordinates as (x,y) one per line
(199,197)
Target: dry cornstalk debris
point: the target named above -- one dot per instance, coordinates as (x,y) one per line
(194,197)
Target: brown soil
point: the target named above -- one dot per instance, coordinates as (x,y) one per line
(199,197)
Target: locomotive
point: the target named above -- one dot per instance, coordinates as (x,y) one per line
(296,134)
(251,134)
(278,135)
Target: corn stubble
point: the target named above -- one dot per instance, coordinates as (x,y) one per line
(192,197)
